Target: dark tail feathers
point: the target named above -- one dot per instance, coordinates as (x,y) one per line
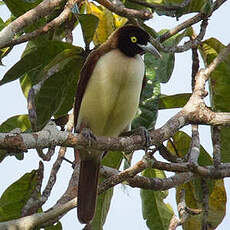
(87,190)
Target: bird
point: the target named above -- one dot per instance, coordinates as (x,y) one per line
(106,102)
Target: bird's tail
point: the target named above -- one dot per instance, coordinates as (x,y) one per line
(87,189)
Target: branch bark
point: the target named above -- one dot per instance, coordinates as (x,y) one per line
(31,16)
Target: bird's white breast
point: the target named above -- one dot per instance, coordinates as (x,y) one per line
(112,95)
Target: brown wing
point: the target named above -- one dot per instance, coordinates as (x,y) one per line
(85,74)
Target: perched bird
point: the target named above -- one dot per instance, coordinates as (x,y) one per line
(107,99)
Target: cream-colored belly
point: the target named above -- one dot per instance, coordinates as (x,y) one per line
(112,95)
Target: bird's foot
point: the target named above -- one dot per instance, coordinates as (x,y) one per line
(143,132)
(88,135)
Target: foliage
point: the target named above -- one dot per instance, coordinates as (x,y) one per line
(50,68)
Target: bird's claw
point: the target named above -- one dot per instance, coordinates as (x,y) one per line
(143,132)
(88,134)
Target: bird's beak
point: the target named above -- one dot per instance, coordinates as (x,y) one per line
(151,49)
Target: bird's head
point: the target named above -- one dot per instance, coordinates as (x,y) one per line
(132,40)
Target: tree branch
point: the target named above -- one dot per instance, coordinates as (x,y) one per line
(162,7)
(125,12)
(30,17)
(30,222)
(189,22)
(51,25)
(216,141)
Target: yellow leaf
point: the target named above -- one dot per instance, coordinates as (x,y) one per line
(106,22)
(119,21)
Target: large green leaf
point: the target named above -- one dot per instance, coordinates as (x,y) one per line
(193,198)
(89,23)
(56,95)
(193,191)
(156,213)
(112,159)
(19,121)
(219,84)
(19,7)
(34,59)
(164,66)
(173,101)
(16,196)
(182,142)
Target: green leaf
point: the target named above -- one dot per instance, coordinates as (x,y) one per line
(102,208)
(173,101)
(182,142)
(56,95)
(19,7)
(148,107)
(89,24)
(112,159)
(16,196)
(219,83)
(34,59)
(193,6)
(164,66)
(19,121)
(2,24)
(156,213)
(216,204)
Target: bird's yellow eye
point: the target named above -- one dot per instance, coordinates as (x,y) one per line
(133,39)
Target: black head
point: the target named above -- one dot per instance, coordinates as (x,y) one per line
(131,40)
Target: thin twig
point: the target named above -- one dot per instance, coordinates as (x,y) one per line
(216,141)
(194,151)
(32,205)
(195,65)
(205,199)
(164,7)
(51,25)
(125,12)
(189,22)
(46,156)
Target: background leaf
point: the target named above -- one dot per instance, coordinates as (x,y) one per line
(217,203)
(193,191)
(89,23)
(56,95)
(34,58)
(219,83)
(19,7)
(16,196)
(156,213)
(181,146)
(19,121)
(112,159)
(173,101)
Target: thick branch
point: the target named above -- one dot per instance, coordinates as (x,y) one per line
(125,12)
(30,222)
(54,23)
(162,7)
(31,16)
